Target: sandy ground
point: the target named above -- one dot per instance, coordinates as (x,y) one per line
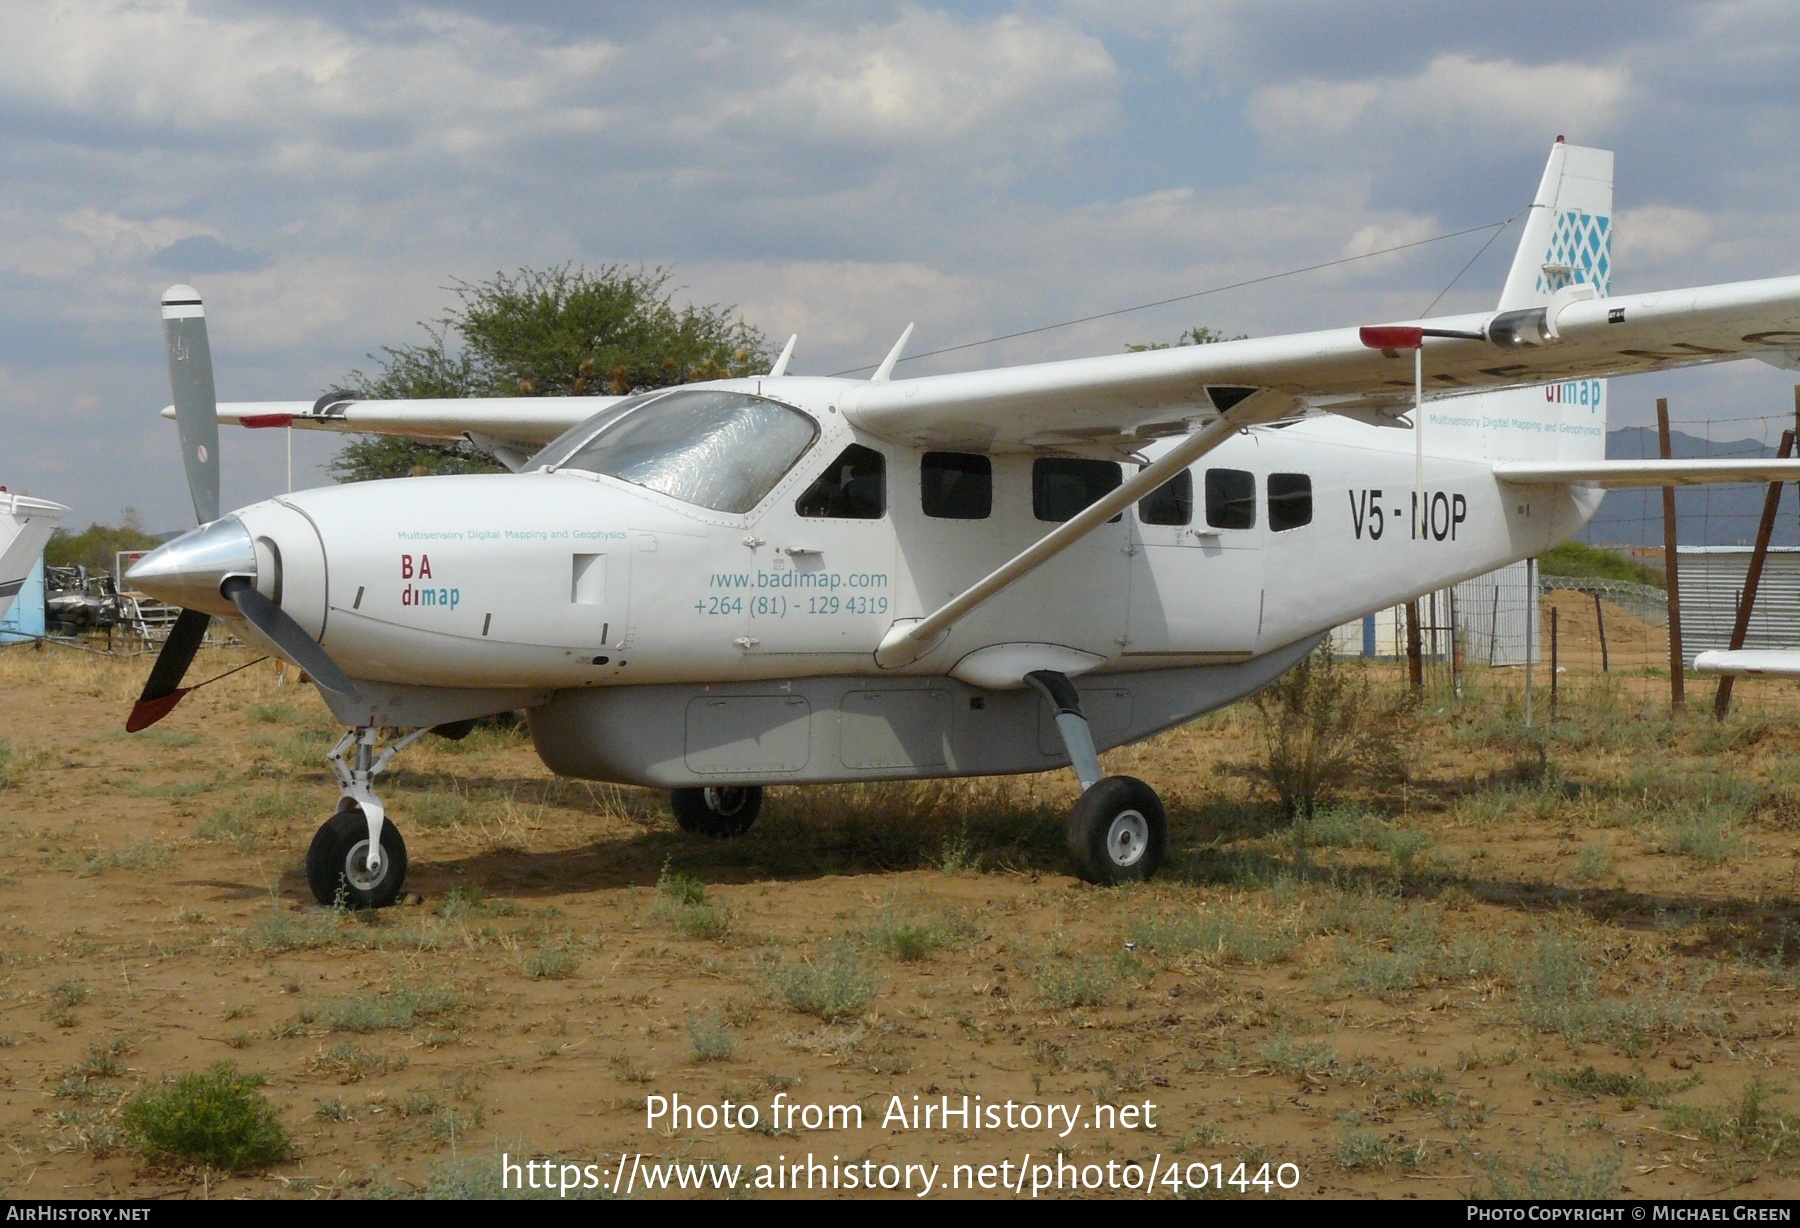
(1566,975)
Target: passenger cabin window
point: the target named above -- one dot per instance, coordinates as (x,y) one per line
(1230,499)
(853,487)
(956,485)
(718,450)
(1063,486)
(1170,503)
(1290,501)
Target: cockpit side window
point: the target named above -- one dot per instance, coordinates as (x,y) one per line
(853,487)
(719,450)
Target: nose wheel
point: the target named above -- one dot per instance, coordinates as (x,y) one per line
(723,812)
(357,859)
(337,864)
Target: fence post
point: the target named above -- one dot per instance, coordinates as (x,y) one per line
(1555,618)
(1765,529)
(1671,580)
(1415,658)
(1600,619)
(1455,647)
(1531,617)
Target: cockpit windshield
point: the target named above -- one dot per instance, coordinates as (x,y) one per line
(718,450)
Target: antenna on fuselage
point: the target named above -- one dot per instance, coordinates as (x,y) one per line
(787,352)
(887,364)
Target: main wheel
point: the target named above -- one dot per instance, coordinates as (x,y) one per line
(722,813)
(1117,832)
(337,863)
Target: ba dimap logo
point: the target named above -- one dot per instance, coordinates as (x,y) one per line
(419,595)
(1574,392)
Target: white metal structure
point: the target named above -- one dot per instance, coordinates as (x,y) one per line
(796,579)
(25,525)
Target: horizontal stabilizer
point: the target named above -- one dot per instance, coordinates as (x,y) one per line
(1614,475)
(1754,662)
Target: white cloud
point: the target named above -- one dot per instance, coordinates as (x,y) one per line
(1453,97)
(834,170)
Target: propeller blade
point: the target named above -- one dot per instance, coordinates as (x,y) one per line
(289,636)
(164,690)
(196,404)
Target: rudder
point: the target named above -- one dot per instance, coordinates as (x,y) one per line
(1568,232)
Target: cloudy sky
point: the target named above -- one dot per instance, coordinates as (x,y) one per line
(321,170)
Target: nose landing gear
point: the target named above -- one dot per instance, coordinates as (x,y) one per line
(1118,831)
(358,858)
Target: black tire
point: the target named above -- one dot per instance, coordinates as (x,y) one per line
(1118,832)
(333,875)
(722,812)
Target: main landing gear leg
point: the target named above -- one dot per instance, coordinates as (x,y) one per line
(1117,831)
(357,858)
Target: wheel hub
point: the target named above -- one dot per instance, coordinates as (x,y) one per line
(356,867)
(1127,838)
(727,801)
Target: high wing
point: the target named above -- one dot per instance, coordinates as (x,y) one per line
(1620,474)
(1122,398)
(524,420)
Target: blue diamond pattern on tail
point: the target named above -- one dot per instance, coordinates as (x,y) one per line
(1581,244)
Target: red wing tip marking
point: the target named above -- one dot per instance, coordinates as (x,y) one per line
(254,421)
(1391,337)
(146,712)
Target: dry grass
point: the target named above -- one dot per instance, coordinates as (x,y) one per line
(1550,962)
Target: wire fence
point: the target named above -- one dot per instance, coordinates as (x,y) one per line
(1590,635)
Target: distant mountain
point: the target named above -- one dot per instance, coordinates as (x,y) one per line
(1705,515)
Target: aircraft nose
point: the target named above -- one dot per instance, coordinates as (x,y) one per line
(189,570)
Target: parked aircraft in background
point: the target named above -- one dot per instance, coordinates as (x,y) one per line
(792,579)
(25,525)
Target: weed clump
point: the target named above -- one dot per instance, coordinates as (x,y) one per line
(833,988)
(1087,981)
(911,938)
(392,1010)
(218,1118)
(1256,941)
(712,1038)
(1559,992)
(15,763)
(1750,1130)
(279,930)
(1559,1176)
(682,901)
(1364,1149)
(143,855)
(1323,725)
(1705,835)
(553,961)
(350,1064)
(1631,1089)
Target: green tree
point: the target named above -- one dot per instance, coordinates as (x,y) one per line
(96,547)
(563,331)
(1198,335)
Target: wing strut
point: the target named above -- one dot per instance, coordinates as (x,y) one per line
(908,640)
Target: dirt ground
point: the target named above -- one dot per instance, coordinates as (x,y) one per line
(1553,962)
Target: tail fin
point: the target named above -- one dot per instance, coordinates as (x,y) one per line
(1568,232)
(1567,240)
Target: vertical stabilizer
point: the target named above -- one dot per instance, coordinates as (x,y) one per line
(1568,232)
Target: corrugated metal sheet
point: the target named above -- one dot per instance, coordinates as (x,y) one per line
(1712,585)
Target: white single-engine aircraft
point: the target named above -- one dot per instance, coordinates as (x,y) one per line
(25,525)
(792,579)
